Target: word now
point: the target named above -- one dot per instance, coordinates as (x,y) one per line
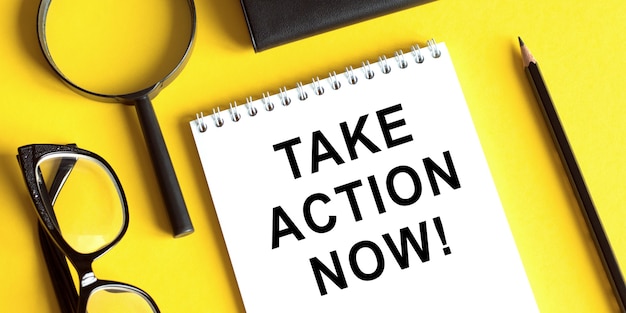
(336,274)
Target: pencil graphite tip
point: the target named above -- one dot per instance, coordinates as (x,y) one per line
(527,57)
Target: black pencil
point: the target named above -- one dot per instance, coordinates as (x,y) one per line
(575,176)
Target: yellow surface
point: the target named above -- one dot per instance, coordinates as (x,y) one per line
(580,47)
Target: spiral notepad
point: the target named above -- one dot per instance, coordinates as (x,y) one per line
(364,191)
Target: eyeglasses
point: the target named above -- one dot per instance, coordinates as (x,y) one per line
(80,224)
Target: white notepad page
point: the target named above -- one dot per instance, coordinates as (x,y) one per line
(373,197)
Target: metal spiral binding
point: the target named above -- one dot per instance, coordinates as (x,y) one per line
(202,126)
(217,118)
(434,50)
(234,113)
(384,66)
(302,95)
(367,69)
(402,63)
(267,102)
(352,79)
(284,97)
(417,54)
(334,81)
(252,111)
(317,85)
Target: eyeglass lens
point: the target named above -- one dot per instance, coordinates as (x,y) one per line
(88,211)
(118,299)
(88,208)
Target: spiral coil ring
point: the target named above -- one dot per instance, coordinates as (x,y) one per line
(416,56)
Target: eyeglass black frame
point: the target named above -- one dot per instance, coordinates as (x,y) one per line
(54,246)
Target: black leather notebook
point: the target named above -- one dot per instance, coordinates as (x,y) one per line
(275,22)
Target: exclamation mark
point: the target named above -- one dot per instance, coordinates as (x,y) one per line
(442,235)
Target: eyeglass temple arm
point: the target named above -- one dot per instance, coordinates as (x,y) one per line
(58,270)
(64,170)
(59,273)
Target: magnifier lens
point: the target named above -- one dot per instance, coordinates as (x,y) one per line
(124,51)
(117,46)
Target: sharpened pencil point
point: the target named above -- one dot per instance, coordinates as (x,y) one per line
(527,57)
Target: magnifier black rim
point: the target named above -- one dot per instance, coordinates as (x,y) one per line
(150,92)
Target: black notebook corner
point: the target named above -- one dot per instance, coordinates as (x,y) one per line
(276,22)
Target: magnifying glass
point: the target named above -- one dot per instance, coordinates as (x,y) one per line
(124,51)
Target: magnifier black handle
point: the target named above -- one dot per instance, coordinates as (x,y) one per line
(170,189)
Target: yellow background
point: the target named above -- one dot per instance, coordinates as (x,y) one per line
(580,46)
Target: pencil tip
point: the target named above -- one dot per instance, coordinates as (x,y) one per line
(527,57)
